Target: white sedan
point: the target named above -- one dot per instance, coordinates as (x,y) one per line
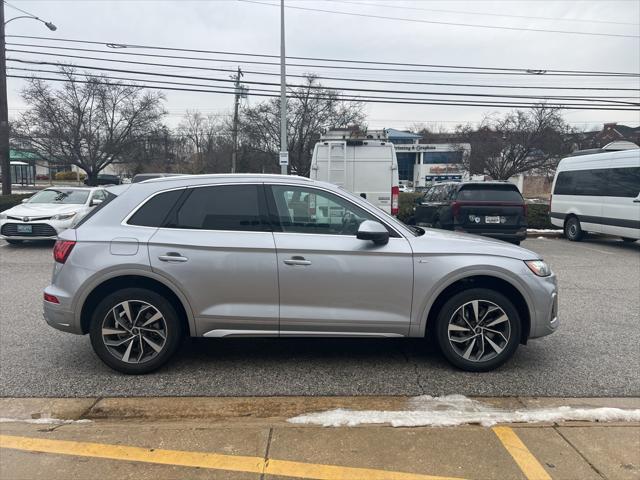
(49,212)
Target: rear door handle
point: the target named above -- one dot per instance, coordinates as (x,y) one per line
(297,261)
(172,257)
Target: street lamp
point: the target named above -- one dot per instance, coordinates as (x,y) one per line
(5,159)
(49,25)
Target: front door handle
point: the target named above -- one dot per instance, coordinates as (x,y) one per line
(297,260)
(172,257)
(637,200)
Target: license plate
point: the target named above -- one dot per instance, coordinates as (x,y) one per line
(491,219)
(25,228)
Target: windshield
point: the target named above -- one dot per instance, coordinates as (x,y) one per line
(61,196)
(493,193)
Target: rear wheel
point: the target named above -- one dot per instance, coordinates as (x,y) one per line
(478,329)
(573,230)
(135,331)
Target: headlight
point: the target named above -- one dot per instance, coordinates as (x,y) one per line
(64,216)
(538,267)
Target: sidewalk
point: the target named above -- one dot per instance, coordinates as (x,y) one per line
(238,438)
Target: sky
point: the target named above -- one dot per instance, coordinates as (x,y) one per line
(241,26)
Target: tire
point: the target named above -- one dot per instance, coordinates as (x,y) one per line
(628,239)
(473,355)
(148,350)
(573,230)
(14,242)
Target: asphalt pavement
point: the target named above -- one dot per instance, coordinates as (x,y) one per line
(595,352)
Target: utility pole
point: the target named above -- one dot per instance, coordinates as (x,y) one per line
(284,153)
(238,90)
(5,160)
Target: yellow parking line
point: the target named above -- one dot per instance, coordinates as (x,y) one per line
(529,464)
(235,463)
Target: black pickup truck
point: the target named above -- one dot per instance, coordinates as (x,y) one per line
(494,209)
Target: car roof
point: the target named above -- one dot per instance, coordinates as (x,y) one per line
(262,177)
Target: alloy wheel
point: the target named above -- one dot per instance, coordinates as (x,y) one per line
(479,331)
(134,331)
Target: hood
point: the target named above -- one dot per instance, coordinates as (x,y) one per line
(42,209)
(444,242)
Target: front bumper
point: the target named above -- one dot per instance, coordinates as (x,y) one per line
(546,319)
(40,229)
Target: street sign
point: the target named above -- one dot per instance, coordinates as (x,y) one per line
(284,158)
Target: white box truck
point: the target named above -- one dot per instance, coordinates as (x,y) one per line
(364,164)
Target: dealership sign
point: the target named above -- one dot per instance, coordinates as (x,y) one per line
(414,148)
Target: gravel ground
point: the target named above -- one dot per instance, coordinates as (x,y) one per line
(596,352)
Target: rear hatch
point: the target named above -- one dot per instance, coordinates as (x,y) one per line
(490,207)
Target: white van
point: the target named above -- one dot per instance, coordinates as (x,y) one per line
(598,193)
(366,167)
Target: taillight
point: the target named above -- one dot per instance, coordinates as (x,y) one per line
(51,298)
(395,194)
(62,249)
(455,206)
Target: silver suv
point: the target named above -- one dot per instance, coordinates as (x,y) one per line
(279,256)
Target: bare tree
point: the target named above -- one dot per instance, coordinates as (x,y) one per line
(519,142)
(89,122)
(311,110)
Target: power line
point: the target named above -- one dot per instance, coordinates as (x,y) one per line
(415,20)
(385,100)
(520,71)
(487,14)
(318,87)
(318,76)
(19,9)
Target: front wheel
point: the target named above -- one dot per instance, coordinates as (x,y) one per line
(573,230)
(478,329)
(135,331)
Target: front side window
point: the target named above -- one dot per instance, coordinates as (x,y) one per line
(60,196)
(306,210)
(222,207)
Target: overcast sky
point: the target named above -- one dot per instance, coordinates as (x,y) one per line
(232,25)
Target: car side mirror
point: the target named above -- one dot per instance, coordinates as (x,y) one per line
(374,231)
(95,202)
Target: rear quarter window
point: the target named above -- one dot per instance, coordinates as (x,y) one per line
(487,193)
(155,211)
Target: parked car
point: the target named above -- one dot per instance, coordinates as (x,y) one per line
(47,213)
(235,255)
(106,179)
(494,209)
(364,166)
(141,177)
(598,193)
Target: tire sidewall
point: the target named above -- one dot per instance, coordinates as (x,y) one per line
(174,330)
(567,229)
(457,301)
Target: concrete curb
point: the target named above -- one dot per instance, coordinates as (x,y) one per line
(218,408)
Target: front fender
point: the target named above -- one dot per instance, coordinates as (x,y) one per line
(433,274)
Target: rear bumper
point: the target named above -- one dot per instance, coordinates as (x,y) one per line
(501,234)
(59,315)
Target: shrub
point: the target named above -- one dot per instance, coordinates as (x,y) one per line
(538,216)
(406,204)
(8,201)
(69,175)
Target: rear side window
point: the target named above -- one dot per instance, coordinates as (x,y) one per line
(490,193)
(222,207)
(154,212)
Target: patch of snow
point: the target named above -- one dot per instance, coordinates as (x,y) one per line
(42,421)
(453,410)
